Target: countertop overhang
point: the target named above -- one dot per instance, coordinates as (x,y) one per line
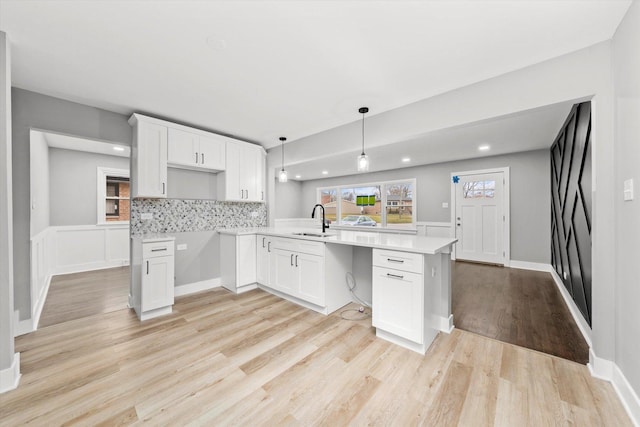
(391,241)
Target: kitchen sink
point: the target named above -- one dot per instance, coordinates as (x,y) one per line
(310,234)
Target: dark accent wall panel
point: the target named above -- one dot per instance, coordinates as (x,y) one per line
(571,206)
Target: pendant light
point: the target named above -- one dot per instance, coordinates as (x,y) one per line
(363,159)
(282,177)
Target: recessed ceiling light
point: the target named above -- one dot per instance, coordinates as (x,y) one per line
(298,176)
(117,148)
(483,147)
(406,159)
(325,172)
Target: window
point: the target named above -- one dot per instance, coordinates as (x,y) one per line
(113,196)
(479,189)
(381,204)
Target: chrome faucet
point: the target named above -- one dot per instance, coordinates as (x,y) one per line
(313,215)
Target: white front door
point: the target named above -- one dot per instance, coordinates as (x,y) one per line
(480,217)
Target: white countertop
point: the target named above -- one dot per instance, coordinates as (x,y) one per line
(391,241)
(153,237)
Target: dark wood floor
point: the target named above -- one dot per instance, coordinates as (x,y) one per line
(520,307)
(77,295)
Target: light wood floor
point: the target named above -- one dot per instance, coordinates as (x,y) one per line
(77,295)
(254,359)
(520,307)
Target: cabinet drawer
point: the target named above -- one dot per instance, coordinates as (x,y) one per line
(404,261)
(156,249)
(298,245)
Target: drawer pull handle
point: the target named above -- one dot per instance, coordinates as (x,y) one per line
(268,246)
(395,276)
(263,239)
(296,260)
(395,260)
(158,250)
(292,260)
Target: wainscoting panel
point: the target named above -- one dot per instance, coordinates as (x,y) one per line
(571,206)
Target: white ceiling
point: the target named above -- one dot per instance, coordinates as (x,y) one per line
(524,131)
(259,70)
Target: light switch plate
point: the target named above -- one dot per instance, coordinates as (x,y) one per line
(146,216)
(628,189)
(445,204)
(182,247)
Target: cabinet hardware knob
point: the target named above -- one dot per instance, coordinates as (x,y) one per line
(163,188)
(202,154)
(196,157)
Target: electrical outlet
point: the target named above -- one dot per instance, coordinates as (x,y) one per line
(628,190)
(146,216)
(445,205)
(182,247)
(254,214)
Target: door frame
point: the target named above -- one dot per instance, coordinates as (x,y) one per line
(506,234)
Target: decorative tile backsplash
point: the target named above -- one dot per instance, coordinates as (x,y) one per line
(177,215)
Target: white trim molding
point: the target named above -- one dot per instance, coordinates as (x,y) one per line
(192,288)
(573,308)
(534,266)
(609,371)
(10,377)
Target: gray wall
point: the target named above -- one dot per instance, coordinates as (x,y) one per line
(530,211)
(34,110)
(288,196)
(73,186)
(626,44)
(188,184)
(200,261)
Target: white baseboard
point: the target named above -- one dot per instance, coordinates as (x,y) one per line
(21,327)
(446,324)
(609,371)
(10,377)
(37,310)
(584,327)
(98,265)
(191,288)
(526,265)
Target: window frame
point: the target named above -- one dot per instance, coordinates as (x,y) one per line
(102,174)
(383,203)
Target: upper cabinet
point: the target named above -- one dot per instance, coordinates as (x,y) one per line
(243,179)
(195,151)
(158,144)
(148,159)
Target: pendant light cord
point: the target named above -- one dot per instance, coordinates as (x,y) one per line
(283,139)
(363,133)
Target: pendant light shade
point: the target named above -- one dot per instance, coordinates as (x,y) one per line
(282,176)
(363,159)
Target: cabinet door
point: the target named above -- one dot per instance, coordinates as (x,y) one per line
(233,190)
(248,173)
(398,300)
(245,260)
(262,261)
(151,160)
(284,276)
(310,272)
(157,283)
(183,148)
(212,153)
(260,178)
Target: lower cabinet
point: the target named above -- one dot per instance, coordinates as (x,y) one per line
(308,272)
(238,262)
(152,277)
(401,309)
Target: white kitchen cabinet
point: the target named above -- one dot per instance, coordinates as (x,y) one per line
(152,277)
(196,151)
(148,158)
(243,178)
(398,301)
(238,262)
(263,260)
(405,296)
(308,272)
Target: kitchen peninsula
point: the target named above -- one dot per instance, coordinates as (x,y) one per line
(411,275)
